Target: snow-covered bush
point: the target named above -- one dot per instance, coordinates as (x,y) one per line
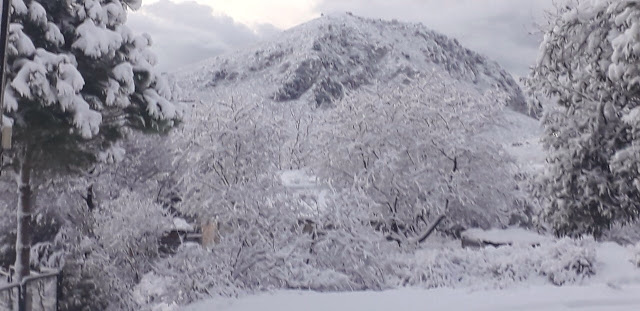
(105,253)
(568,261)
(280,241)
(559,262)
(129,229)
(195,273)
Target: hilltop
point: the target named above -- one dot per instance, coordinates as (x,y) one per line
(324,60)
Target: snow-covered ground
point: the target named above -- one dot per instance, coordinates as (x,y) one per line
(593,297)
(520,137)
(614,288)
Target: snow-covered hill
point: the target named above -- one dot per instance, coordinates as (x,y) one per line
(326,59)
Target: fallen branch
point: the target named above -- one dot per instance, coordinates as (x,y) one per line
(430,230)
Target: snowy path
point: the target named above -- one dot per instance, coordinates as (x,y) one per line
(548,298)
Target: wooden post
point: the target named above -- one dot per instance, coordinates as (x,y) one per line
(4,39)
(210,235)
(6,134)
(22,297)
(58,289)
(5,129)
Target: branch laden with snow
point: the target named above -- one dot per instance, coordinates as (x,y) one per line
(588,66)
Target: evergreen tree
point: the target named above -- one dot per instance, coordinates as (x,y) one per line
(78,77)
(589,65)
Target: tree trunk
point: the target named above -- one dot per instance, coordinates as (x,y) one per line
(24,230)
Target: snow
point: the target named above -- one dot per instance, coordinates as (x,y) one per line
(37,13)
(87,121)
(21,44)
(181,224)
(10,102)
(159,107)
(96,41)
(616,265)
(113,154)
(149,286)
(6,121)
(298,179)
(124,73)
(633,117)
(548,298)
(133,4)
(19,7)
(116,14)
(520,138)
(614,287)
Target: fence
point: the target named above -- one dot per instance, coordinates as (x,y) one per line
(42,292)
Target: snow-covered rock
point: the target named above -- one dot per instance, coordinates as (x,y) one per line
(498,237)
(298,179)
(181,224)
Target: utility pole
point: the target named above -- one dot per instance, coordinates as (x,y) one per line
(5,127)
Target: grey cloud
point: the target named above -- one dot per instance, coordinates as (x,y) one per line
(184,33)
(500,29)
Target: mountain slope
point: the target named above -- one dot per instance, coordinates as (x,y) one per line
(324,60)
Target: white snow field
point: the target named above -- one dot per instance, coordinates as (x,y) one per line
(615,287)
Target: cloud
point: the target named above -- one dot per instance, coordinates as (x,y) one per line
(187,32)
(500,29)
(281,13)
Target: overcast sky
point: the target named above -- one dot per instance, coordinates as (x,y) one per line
(187,31)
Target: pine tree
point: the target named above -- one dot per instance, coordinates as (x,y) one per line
(78,78)
(589,65)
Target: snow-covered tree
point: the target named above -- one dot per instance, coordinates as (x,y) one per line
(418,152)
(78,77)
(589,66)
(228,152)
